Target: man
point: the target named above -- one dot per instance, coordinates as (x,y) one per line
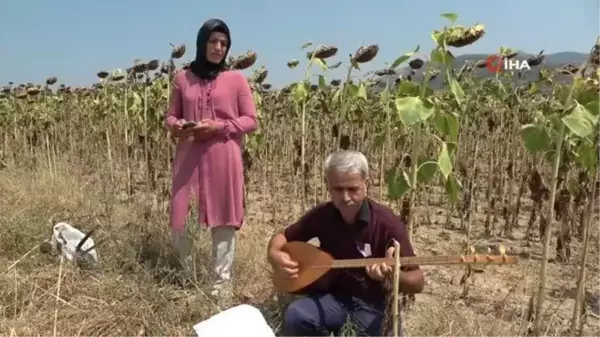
(350,226)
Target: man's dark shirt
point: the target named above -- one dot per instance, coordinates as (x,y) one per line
(376,225)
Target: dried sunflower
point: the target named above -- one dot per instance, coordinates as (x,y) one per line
(536,60)
(415,64)
(140,66)
(118,76)
(568,69)
(336,82)
(178,51)
(51,80)
(102,74)
(243,61)
(323,52)
(433,73)
(510,55)
(460,36)
(288,88)
(407,78)
(33,91)
(153,65)
(365,54)
(384,72)
(261,75)
(480,64)
(166,67)
(466,68)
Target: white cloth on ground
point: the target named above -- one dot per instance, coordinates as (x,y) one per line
(241,320)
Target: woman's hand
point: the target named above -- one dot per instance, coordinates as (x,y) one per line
(206,128)
(178,131)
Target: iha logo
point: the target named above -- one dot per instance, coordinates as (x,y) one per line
(495,63)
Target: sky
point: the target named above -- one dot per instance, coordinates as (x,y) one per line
(74,39)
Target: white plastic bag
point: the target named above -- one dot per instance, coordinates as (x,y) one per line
(66,238)
(242,320)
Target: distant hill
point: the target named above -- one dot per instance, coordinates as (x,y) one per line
(551,61)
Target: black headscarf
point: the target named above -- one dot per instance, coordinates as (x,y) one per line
(201,67)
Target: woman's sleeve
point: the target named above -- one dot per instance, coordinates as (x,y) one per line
(175,110)
(247,121)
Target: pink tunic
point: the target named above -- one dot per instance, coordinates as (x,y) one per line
(211,169)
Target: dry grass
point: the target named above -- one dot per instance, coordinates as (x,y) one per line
(136,293)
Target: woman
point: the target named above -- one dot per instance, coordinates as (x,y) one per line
(208,159)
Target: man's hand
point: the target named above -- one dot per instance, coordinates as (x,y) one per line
(283,264)
(378,271)
(206,128)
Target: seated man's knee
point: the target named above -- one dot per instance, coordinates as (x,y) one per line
(297,317)
(314,316)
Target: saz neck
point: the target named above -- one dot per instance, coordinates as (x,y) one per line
(427,260)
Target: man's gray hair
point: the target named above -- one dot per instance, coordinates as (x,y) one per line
(347,161)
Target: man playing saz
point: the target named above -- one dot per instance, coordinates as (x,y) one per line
(350,226)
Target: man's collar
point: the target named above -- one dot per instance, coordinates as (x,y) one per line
(363,217)
(364,214)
